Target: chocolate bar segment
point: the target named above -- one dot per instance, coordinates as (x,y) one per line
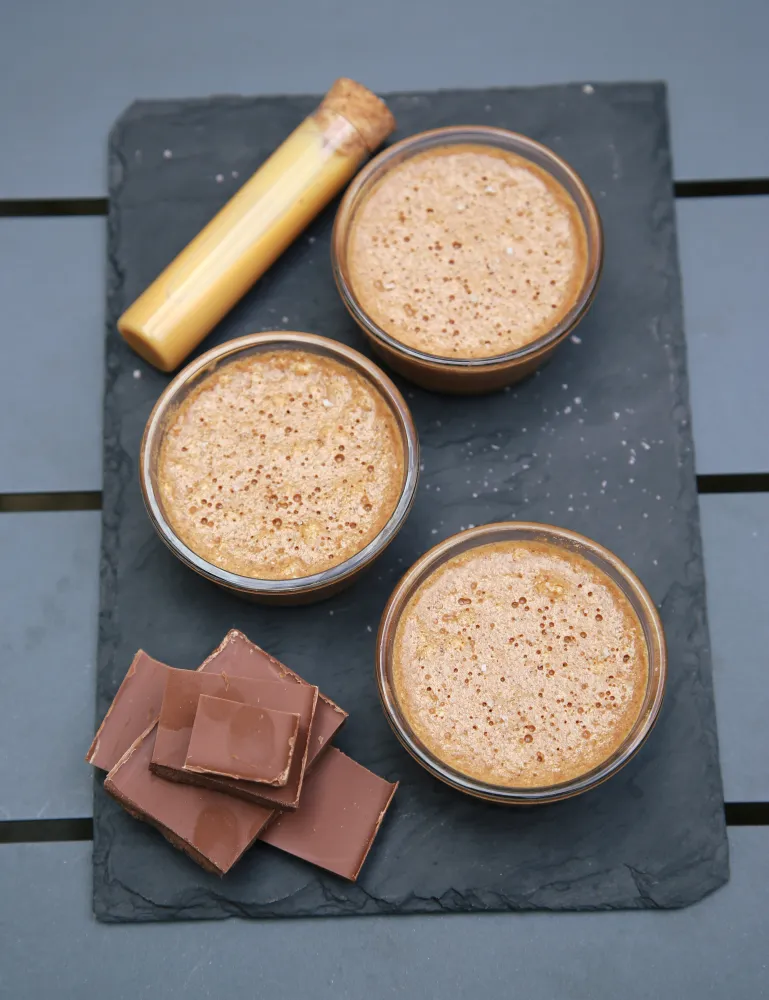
(238,656)
(342,807)
(177,715)
(247,742)
(212,828)
(134,708)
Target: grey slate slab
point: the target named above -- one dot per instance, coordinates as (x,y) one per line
(66,75)
(50,945)
(51,287)
(735,533)
(725,262)
(49,583)
(600,441)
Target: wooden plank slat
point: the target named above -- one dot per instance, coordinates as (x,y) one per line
(48,629)
(736,545)
(714,949)
(51,379)
(724,247)
(49,583)
(52,382)
(67,75)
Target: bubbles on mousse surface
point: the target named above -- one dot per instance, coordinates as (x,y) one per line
(520,665)
(280,465)
(467,251)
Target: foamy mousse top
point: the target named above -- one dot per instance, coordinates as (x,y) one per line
(467,251)
(280,465)
(520,664)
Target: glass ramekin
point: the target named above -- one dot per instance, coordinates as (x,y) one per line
(565,540)
(469,375)
(303,589)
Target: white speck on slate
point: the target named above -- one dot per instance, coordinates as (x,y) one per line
(331,612)
(434,531)
(219,178)
(167,154)
(495,447)
(475,496)
(368,628)
(646,446)
(235,173)
(588,89)
(567,410)
(137,373)
(284,319)
(575,339)
(616,415)
(564,385)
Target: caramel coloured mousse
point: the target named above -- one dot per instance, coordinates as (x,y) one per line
(467,251)
(520,665)
(280,465)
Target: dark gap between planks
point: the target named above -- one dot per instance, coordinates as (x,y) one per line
(46,831)
(31,207)
(22,503)
(19,503)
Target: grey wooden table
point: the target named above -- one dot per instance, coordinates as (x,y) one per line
(67,68)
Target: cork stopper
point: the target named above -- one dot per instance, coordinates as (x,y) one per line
(363,109)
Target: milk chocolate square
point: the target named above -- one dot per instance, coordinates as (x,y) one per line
(237,655)
(177,715)
(212,828)
(134,708)
(342,808)
(247,742)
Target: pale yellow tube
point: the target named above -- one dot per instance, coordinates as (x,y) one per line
(223,261)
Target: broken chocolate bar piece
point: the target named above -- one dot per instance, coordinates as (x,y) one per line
(342,807)
(212,828)
(248,742)
(134,708)
(238,656)
(177,715)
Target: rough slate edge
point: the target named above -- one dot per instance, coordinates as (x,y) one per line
(117,902)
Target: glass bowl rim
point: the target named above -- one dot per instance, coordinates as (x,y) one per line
(206,364)
(648,616)
(453,135)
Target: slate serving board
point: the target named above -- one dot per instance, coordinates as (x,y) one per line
(599,441)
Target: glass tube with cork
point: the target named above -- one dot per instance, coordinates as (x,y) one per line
(252,230)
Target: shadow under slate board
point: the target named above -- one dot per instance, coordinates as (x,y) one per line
(598,441)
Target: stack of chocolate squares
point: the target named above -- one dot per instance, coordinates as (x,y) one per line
(234,752)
